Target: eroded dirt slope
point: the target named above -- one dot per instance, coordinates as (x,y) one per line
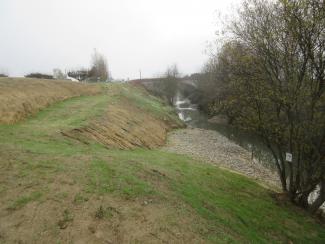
(125,126)
(129,121)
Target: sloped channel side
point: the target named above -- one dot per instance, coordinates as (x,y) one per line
(127,126)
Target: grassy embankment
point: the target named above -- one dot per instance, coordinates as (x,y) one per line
(58,189)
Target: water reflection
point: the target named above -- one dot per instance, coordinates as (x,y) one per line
(189,113)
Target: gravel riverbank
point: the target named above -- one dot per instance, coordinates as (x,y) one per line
(211,146)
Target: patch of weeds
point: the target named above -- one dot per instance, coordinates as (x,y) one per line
(2,189)
(66,219)
(23,200)
(105,213)
(61,195)
(99,214)
(79,198)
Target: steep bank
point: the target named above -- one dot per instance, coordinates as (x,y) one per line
(58,189)
(137,119)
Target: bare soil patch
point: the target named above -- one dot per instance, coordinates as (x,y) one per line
(66,213)
(125,126)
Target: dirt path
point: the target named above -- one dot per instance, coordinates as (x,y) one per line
(213,147)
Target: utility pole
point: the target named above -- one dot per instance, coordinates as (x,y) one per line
(140,73)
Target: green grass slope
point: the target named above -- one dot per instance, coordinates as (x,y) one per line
(57,190)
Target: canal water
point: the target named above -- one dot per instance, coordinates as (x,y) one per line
(192,116)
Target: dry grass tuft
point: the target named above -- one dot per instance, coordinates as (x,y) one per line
(22,97)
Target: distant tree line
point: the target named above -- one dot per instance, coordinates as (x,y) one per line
(269,78)
(39,76)
(97,72)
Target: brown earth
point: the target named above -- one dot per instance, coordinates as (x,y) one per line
(22,97)
(64,217)
(126,126)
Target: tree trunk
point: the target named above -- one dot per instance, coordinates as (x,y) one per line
(303,201)
(283,179)
(279,165)
(283,182)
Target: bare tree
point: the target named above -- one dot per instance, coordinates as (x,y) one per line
(58,74)
(99,68)
(170,80)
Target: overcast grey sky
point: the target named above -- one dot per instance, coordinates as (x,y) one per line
(39,35)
